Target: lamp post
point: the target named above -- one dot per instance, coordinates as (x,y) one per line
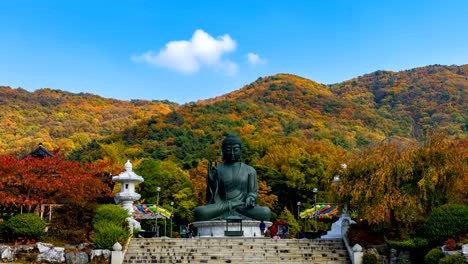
(298,211)
(172,214)
(158,189)
(315,190)
(165,226)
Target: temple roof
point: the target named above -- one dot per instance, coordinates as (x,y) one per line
(39,153)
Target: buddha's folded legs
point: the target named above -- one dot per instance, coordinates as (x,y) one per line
(256,213)
(210,211)
(220,210)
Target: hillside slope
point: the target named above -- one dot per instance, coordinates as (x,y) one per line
(65,120)
(350,115)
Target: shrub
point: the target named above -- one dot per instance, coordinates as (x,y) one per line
(3,231)
(453,259)
(408,244)
(72,222)
(369,258)
(446,221)
(25,226)
(434,256)
(108,233)
(110,226)
(111,213)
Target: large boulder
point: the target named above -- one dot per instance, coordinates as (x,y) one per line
(54,255)
(7,253)
(77,258)
(44,247)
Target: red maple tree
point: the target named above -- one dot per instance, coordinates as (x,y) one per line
(30,182)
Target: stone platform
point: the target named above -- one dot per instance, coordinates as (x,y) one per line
(216,228)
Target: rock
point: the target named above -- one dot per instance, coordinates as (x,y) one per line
(28,249)
(465,252)
(101,256)
(26,252)
(43,247)
(404,257)
(86,247)
(77,258)
(54,255)
(7,253)
(393,256)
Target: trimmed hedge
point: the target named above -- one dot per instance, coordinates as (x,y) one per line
(446,221)
(434,256)
(453,259)
(408,244)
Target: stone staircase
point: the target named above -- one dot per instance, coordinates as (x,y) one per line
(236,250)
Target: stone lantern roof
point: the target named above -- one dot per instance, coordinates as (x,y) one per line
(128,176)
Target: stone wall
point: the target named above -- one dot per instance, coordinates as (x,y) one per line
(47,253)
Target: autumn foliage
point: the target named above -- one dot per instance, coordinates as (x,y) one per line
(401,182)
(30,182)
(296,133)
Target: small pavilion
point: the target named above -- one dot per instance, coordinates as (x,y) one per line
(39,153)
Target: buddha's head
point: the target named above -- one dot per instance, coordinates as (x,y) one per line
(232,148)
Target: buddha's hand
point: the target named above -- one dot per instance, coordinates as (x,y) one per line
(212,171)
(250,202)
(233,204)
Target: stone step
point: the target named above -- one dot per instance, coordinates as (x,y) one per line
(236,250)
(304,246)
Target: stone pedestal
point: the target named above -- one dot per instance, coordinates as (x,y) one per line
(216,228)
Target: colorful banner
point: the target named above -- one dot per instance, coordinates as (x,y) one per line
(150,211)
(322,210)
(325,211)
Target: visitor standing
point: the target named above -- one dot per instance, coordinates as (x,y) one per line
(262,228)
(285,231)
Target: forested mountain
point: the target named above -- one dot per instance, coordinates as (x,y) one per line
(296,133)
(63,120)
(416,100)
(349,115)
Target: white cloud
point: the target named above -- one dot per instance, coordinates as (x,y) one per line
(188,56)
(254,59)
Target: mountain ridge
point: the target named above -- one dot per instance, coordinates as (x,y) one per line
(350,114)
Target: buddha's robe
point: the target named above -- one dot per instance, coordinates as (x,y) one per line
(227,193)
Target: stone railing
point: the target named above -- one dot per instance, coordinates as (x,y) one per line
(355,252)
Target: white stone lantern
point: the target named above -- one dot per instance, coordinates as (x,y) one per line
(127,194)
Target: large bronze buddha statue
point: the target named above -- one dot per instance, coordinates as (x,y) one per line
(232,187)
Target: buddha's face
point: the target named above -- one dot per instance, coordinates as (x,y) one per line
(232,152)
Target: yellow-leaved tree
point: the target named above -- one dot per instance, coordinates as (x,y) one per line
(400,181)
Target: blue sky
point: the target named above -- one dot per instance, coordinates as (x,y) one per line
(184,51)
